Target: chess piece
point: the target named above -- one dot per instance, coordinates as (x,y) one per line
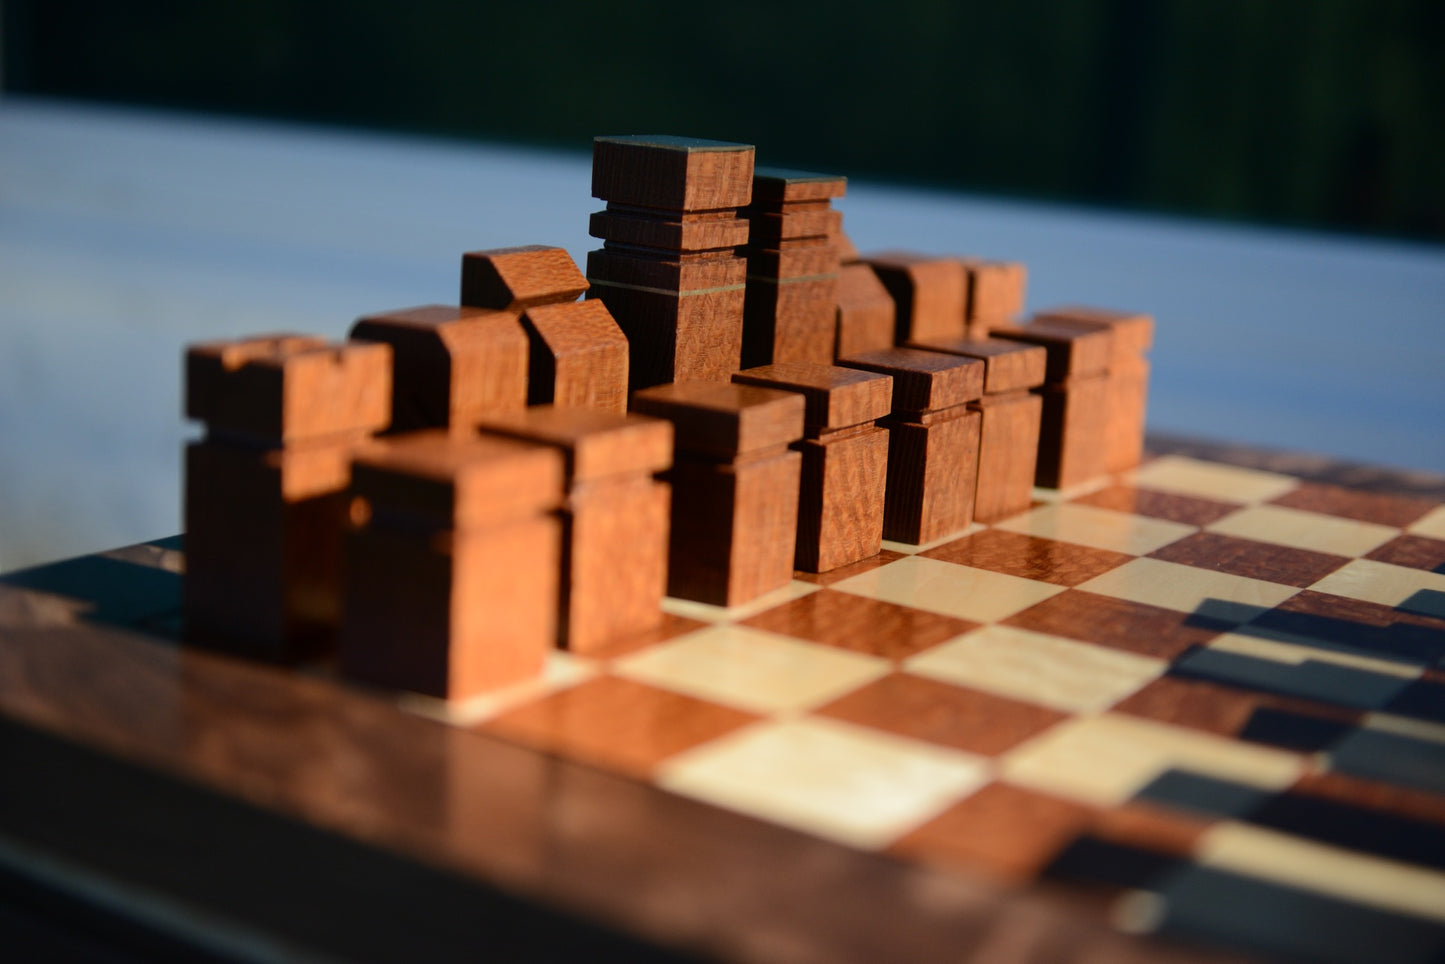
(668,270)
(865,316)
(453,562)
(734,488)
(266,488)
(452,365)
(930,294)
(615,517)
(845,459)
(792,267)
(577,357)
(1128,372)
(1075,400)
(995,294)
(515,279)
(933,440)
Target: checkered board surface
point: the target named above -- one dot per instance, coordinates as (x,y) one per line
(1212,697)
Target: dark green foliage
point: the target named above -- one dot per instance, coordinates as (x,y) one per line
(1319,112)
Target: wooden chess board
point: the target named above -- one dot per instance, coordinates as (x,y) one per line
(1194,710)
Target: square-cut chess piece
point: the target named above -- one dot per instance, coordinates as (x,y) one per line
(452,365)
(577,357)
(669,270)
(792,267)
(930,294)
(845,459)
(1075,400)
(1128,372)
(453,564)
(734,488)
(615,517)
(933,440)
(265,502)
(1010,413)
(515,279)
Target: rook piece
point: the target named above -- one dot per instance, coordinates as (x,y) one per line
(265,489)
(1128,377)
(933,439)
(1008,442)
(614,518)
(453,365)
(792,267)
(668,270)
(845,459)
(734,488)
(1075,396)
(452,567)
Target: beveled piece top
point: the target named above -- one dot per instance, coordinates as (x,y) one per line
(513,279)
(782,184)
(672,173)
(1008,365)
(284,388)
(836,397)
(595,444)
(924,381)
(436,478)
(724,419)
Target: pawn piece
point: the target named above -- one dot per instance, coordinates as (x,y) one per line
(452,566)
(1128,377)
(265,490)
(865,315)
(1008,446)
(1075,395)
(995,294)
(453,365)
(578,357)
(933,440)
(615,516)
(734,488)
(931,294)
(845,459)
(514,279)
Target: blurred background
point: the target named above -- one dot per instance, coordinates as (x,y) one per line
(1265,178)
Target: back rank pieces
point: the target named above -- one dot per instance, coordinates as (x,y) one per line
(730,394)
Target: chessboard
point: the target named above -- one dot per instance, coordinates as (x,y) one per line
(1187,712)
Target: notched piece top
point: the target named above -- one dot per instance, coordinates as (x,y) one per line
(1133,331)
(1072,351)
(779,185)
(724,419)
(446,480)
(1008,365)
(596,444)
(516,278)
(284,388)
(674,173)
(924,381)
(836,397)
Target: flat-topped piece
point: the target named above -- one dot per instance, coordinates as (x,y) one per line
(516,278)
(443,479)
(865,311)
(673,173)
(778,184)
(1008,365)
(284,387)
(924,381)
(1072,350)
(724,419)
(596,444)
(931,293)
(836,397)
(1133,331)
(995,289)
(453,364)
